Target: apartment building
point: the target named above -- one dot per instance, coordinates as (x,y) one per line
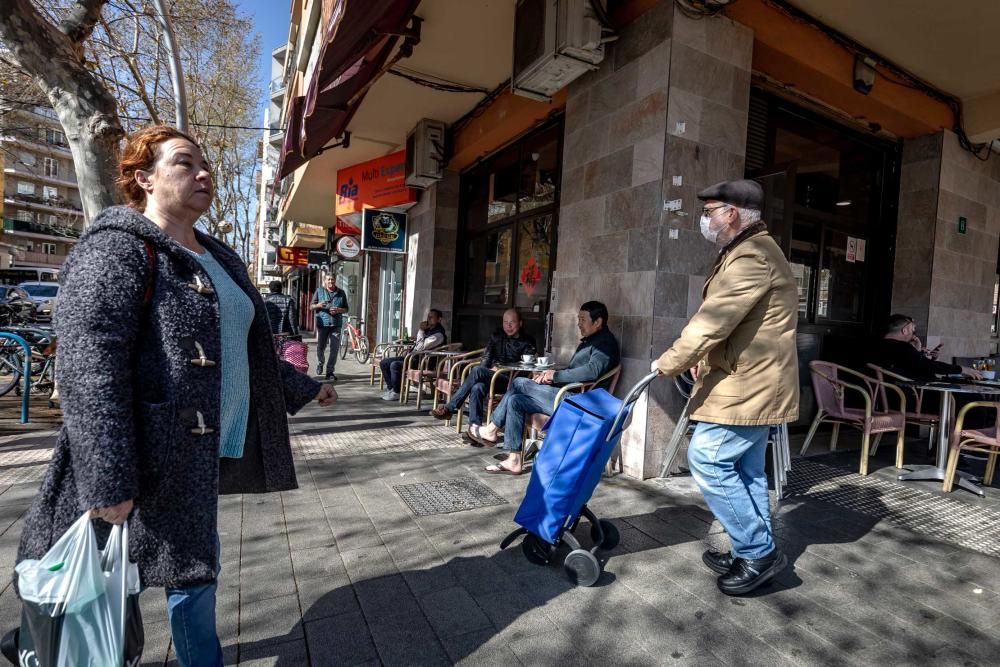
(42,214)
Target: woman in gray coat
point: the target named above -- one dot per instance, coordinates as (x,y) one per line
(171,390)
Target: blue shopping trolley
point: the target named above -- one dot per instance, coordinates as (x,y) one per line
(580,436)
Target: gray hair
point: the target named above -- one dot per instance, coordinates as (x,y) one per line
(748,216)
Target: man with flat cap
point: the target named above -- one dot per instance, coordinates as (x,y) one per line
(741,344)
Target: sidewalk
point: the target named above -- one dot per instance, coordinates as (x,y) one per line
(341,571)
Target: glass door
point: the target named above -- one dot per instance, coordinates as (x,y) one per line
(390,308)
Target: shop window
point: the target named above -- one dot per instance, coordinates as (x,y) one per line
(539,173)
(496,278)
(503,186)
(534,250)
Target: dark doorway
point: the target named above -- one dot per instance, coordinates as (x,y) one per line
(831,194)
(507,236)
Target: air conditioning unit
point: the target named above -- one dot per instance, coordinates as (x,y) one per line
(272,236)
(555,42)
(425,154)
(272,224)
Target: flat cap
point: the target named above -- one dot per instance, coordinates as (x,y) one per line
(742,194)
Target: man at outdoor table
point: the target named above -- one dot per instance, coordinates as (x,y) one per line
(597,353)
(902,352)
(430,336)
(506,346)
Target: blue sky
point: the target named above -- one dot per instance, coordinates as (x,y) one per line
(271,21)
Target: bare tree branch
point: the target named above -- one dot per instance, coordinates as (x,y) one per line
(82,18)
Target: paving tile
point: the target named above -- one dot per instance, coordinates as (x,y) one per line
(275,655)
(452,611)
(270,621)
(481,647)
(341,640)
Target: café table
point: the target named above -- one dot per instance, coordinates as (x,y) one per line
(500,370)
(948,389)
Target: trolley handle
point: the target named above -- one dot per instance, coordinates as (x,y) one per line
(632,397)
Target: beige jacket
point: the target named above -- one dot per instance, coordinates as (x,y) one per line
(743,338)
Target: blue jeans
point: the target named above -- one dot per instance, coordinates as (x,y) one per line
(727,462)
(475,388)
(392,371)
(524,397)
(191,611)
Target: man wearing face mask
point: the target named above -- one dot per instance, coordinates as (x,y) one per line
(742,343)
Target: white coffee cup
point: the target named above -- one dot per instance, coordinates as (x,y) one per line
(988,375)
(543,361)
(527,358)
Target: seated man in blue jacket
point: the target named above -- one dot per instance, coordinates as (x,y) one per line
(597,354)
(506,346)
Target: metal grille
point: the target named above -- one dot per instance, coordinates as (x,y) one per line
(447,495)
(922,512)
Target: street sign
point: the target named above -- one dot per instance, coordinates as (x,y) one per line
(383,231)
(293,256)
(348,247)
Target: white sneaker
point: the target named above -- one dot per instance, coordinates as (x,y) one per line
(390,396)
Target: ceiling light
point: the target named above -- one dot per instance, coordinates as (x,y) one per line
(846,202)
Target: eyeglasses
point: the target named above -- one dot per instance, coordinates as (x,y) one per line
(708,211)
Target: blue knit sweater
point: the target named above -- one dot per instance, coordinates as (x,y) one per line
(235,316)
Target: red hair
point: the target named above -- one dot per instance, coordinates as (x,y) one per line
(141,151)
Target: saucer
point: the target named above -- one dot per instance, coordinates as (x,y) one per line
(545,365)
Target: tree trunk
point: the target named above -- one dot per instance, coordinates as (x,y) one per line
(88,113)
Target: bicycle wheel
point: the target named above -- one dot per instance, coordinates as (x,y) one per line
(362,354)
(345,345)
(11,365)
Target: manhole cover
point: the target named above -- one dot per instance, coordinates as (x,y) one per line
(447,495)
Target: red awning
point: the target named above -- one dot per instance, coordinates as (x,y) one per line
(358,41)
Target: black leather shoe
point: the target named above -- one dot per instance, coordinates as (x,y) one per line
(717,561)
(746,575)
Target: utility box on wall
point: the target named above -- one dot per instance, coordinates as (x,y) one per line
(425,154)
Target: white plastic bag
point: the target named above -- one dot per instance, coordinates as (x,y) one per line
(75,599)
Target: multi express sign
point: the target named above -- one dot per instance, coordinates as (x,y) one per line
(378,183)
(384,231)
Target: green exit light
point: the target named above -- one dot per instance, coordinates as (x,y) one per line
(962,225)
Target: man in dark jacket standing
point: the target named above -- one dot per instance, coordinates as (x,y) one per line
(281,311)
(506,346)
(597,354)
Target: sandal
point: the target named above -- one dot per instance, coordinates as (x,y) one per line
(499,469)
(475,436)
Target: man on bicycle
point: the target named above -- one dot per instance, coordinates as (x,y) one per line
(281,311)
(329,303)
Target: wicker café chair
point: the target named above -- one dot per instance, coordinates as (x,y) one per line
(418,369)
(830,388)
(917,416)
(382,351)
(451,372)
(982,441)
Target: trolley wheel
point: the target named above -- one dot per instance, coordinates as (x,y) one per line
(536,550)
(612,537)
(582,567)
(361,354)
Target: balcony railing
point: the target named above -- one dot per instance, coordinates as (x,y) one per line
(64,231)
(41,258)
(31,137)
(50,202)
(277,85)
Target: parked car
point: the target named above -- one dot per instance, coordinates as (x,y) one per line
(16,306)
(44,296)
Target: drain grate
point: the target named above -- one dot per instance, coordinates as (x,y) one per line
(922,512)
(447,495)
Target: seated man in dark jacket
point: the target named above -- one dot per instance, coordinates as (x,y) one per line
(597,354)
(901,352)
(506,346)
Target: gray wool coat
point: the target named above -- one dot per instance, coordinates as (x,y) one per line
(134,402)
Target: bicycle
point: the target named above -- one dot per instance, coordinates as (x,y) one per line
(358,341)
(43,360)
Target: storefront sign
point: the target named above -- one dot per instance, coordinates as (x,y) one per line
(293,256)
(383,231)
(378,183)
(348,247)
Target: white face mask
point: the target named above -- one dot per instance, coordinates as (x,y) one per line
(706,229)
